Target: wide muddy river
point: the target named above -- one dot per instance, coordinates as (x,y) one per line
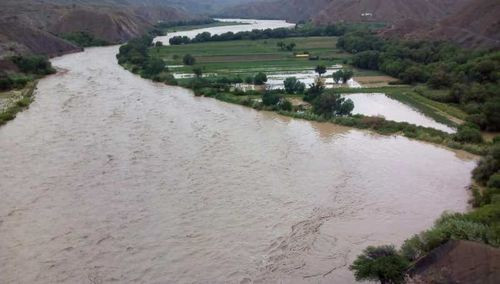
(108,177)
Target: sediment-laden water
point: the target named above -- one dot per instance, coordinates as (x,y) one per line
(110,177)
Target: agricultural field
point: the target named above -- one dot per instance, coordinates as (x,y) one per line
(247,57)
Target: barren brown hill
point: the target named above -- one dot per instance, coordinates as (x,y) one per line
(477,23)
(389,11)
(35,26)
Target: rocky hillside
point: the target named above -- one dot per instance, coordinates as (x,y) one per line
(37,26)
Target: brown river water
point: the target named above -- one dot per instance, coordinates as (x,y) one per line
(110,178)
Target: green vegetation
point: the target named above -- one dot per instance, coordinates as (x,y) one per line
(248,57)
(469,79)
(84,39)
(31,67)
(260,79)
(294,86)
(188,59)
(330,104)
(382,264)
(20,100)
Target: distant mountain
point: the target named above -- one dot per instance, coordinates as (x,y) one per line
(389,11)
(471,23)
(291,10)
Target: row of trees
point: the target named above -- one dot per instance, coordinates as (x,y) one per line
(472,77)
(332,30)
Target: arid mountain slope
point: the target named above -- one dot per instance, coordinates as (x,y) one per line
(389,11)
(476,24)
(35,26)
(471,23)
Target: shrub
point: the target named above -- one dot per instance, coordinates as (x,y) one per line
(381,263)
(188,59)
(285,105)
(270,98)
(84,39)
(315,89)
(468,134)
(34,64)
(494,181)
(488,165)
(292,85)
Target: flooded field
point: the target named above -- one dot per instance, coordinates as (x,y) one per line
(110,177)
(382,105)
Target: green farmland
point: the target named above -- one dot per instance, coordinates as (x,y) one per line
(247,57)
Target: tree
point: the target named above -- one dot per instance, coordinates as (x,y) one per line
(197,72)
(281,45)
(188,59)
(159,44)
(260,79)
(154,66)
(315,89)
(292,85)
(492,114)
(337,76)
(346,75)
(320,69)
(290,46)
(331,104)
(381,263)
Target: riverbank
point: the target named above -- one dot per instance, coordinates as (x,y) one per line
(15,101)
